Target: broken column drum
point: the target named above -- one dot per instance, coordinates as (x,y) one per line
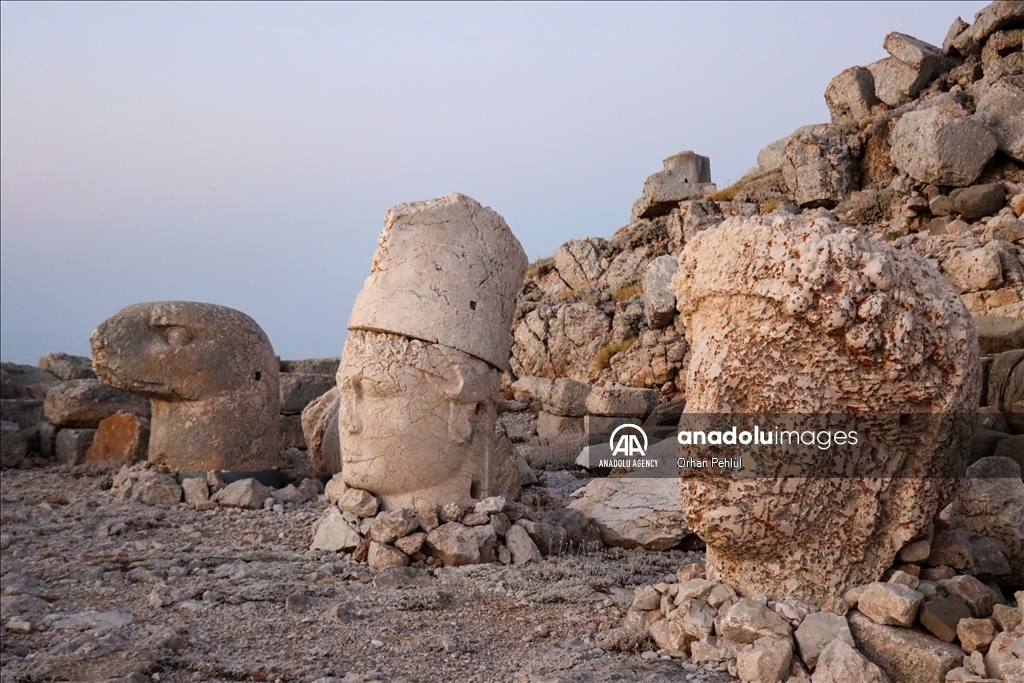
(211,375)
(421,369)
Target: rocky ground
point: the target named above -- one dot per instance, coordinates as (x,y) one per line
(97,589)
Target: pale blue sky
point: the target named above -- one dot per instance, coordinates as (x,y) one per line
(245,154)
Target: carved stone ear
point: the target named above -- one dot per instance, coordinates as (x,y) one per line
(460,421)
(348,412)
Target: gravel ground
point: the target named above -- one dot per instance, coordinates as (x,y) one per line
(96,589)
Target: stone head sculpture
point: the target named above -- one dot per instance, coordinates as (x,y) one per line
(801,315)
(211,374)
(429,337)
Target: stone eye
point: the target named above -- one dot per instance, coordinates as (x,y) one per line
(178,336)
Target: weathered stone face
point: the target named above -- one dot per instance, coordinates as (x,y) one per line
(802,316)
(420,372)
(211,374)
(416,420)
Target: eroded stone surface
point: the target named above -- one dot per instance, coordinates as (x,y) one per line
(634,512)
(420,372)
(211,375)
(846,324)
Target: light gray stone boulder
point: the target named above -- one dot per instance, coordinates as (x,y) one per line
(766,660)
(816,631)
(941,145)
(25,381)
(72,445)
(634,513)
(67,367)
(991,503)
(568,398)
(973,270)
(620,401)
(381,556)
(244,493)
(454,544)
(904,655)
(841,663)
(578,263)
(850,96)
(890,603)
(995,16)
(751,619)
(390,526)
(1000,106)
(687,175)
(659,299)
(821,170)
(299,389)
(521,546)
(86,402)
(331,532)
(320,433)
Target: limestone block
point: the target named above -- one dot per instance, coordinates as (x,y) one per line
(320,432)
(941,616)
(767,660)
(997,334)
(195,490)
(360,503)
(551,539)
(311,366)
(978,201)
(820,170)
(533,389)
(298,390)
(976,634)
(454,544)
(382,555)
(211,375)
(73,444)
(67,367)
(568,397)
(411,544)
(620,401)
(895,81)
(995,16)
(659,299)
(333,533)
(1000,108)
(850,95)
(634,512)
(890,603)
(817,302)
(549,425)
(904,655)
(975,269)
(388,527)
(816,631)
(942,146)
(522,547)
(1004,651)
(687,175)
(912,51)
(1006,380)
(244,493)
(841,663)
(290,432)
(121,436)
(85,402)
(750,619)
(13,445)
(668,634)
(561,342)
(25,381)
(578,263)
(976,595)
(994,506)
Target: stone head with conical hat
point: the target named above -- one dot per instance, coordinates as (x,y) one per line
(429,336)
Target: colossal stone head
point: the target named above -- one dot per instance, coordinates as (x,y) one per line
(211,374)
(420,373)
(801,315)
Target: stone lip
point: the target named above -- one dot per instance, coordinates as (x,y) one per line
(447,271)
